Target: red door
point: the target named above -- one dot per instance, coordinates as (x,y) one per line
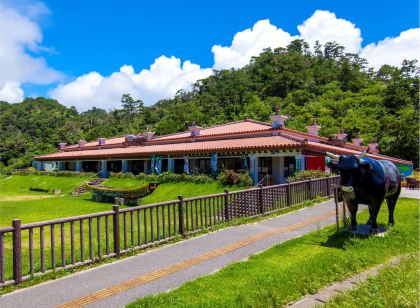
(315,163)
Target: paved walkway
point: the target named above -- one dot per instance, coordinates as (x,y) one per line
(410,193)
(162,269)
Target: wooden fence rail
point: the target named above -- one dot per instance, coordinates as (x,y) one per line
(42,247)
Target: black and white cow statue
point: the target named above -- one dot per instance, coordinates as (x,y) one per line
(367,181)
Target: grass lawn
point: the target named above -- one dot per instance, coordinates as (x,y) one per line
(290,270)
(395,286)
(17,201)
(171,191)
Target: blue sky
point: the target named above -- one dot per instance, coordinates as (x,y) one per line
(91,40)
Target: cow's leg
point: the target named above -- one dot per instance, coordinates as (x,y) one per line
(391,201)
(391,206)
(373,211)
(352,206)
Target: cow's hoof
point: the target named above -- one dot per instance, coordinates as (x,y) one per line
(391,224)
(374,231)
(353,229)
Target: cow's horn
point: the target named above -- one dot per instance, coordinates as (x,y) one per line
(331,155)
(362,154)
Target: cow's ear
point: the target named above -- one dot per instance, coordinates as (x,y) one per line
(366,165)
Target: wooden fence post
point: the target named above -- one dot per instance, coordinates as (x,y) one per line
(311,191)
(260,199)
(336,208)
(226,209)
(328,187)
(181,215)
(17,251)
(116,220)
(288,195)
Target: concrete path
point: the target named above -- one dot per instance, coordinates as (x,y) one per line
(325,294)
(410,193)
(162,269)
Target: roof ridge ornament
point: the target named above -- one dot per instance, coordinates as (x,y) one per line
(194,129)
(314,128)
(357,140)
(278,120)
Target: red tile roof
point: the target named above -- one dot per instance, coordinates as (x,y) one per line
(345,151)
(245,126)
(246,135)
(244,144)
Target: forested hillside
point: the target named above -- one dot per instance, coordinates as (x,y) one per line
(337,88)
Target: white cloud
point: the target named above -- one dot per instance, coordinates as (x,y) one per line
(11,92)
(393,50)
(248,43)
(162,80)
(325,27)
(19,34)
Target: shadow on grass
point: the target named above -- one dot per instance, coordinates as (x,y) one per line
(339,239)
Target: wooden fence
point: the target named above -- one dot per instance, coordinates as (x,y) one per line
(38,248)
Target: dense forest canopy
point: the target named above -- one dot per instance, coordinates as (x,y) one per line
(337,88)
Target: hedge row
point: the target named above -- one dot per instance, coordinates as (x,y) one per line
(307,175)
(30,170)
(226,177)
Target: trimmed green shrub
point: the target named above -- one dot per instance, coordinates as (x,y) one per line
(245,179)
(228,177)
(166,177)
(304,175)
(33,171)
(115,192)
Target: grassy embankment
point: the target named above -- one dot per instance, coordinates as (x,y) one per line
(17,201)
(290,270)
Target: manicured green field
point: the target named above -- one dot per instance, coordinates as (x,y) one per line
(395,286)
(17,201)
(290,270)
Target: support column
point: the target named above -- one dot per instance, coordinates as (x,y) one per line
(171,164)
(60,166)
(158,164)
(152,165)
(145,170)
(124,166)
(281,170)
(186,165)
(253,168)
(104,168)
(78,166)
(300,162)
(213,164)
(277,171)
